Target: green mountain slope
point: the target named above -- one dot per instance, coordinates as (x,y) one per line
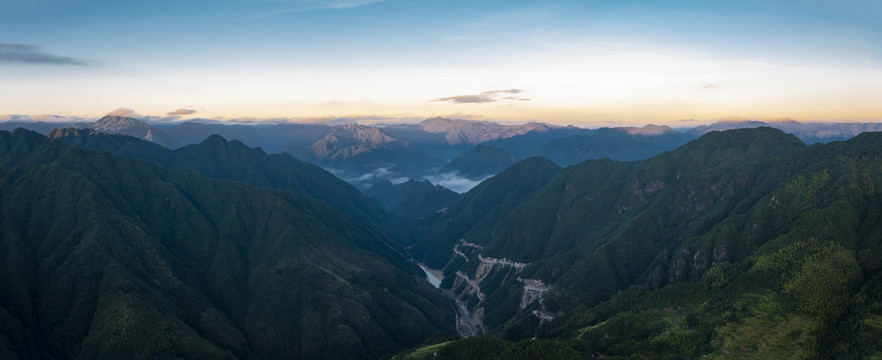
(217,158)
(108,257)
(476,209)
(411,199)
(744,243)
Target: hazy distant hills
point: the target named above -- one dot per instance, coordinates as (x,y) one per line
(480,162)
(41,127)
(458,132)
(741,242)
(441,148)
(106,256)
(272,138)
(808,132)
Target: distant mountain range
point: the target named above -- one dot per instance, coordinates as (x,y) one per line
(459,132)
(442,148)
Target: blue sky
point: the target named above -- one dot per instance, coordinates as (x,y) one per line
(581,62)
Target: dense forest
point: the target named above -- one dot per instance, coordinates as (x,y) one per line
(106,256)
(745,243)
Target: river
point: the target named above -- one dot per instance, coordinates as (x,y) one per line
(433,276)
(464,326)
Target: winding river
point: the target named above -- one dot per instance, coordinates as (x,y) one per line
(463,326)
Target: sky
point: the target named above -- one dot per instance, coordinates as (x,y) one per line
(587,63)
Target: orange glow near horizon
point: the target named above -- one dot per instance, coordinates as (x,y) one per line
(582,63)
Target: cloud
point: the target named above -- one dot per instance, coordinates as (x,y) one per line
(5,117)
(468,99)
(366,180)
(124,112)
(454,181)
(330,4)
(485,97)
(33,55)
(509,91)
(342,4)
(301,6)
(44,117)
(181,112)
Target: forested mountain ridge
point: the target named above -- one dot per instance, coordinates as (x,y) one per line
(106,256)
(480,206)
(742,242)
(218,158)
(411,199)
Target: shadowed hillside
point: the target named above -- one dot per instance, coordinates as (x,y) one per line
(106,256)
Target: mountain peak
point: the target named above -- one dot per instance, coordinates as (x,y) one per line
(353,137)
(763,135)
(460,131)
(738,145)
(115,124)
(214,138)
(112,124)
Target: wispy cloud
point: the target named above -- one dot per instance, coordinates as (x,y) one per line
(124,112)
(468,99)
(300,6)
(485,97)
(367,180)
(181,112)
(33,55)
(336,4)
(454,181)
